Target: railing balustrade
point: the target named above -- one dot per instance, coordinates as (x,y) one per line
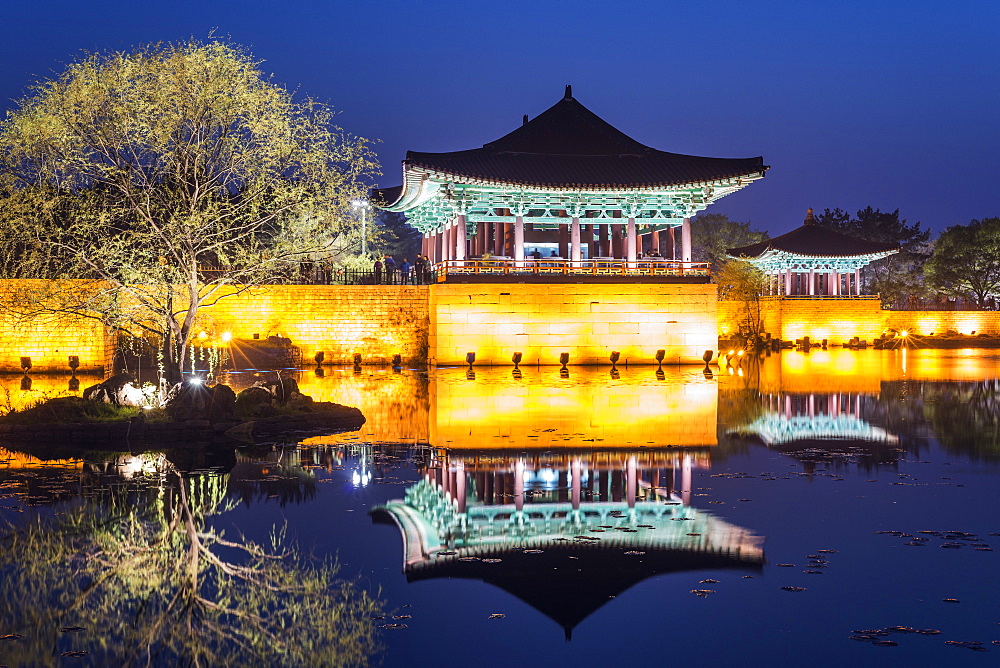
(560,266)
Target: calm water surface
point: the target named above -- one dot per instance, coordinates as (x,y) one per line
(765,516)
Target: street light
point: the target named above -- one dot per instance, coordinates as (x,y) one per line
(362,205)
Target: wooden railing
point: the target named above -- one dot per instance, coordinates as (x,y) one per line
(558,266)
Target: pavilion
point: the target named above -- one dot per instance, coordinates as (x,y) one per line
(565,185)
(813,260)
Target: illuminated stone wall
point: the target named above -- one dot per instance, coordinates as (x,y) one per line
(586,320)
(48,340)
(377,321)
(841,319)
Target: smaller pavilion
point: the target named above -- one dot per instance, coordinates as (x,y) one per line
(813,260)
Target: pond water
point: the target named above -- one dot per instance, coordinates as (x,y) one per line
(818,508)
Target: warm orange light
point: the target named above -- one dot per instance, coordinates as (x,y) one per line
(202,335)
(226,337)
(903,334)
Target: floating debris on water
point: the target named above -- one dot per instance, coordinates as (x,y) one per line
(708,581)
(497,615)
(702,593)
(392,627)
(793,589)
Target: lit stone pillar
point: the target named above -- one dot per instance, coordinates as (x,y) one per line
(835,280)
(519,241)
(631,481)
(460,486)
(812,281)
(460,238)
(519,485)
(577,469)
(686,240)
(576,253)
(630,244)
(857,281)
(686,480)
(788,281)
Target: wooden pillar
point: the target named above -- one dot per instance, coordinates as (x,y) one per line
(616,241)
(788,281)
(835,283)
(857,281)
(498,238)
(686,240)
(519,241)
(673,244)
(812,281)
(563,241)
(574,240)
(654,243)
(595,241)
(630,243)
(460,237)
(686,480)
(605,248)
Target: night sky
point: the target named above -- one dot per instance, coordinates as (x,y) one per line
(888,104)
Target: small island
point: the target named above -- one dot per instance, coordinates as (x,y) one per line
(118,410)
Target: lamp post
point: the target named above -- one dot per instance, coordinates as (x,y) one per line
(362,205)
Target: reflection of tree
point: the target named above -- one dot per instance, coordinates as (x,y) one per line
(152,582)
(965,416)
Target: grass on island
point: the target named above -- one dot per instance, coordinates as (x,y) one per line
(64,410)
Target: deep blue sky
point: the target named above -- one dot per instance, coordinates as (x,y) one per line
(852,103)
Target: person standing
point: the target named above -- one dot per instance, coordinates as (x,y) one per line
(406,271)
(420,268)
(390,270)
(377,269)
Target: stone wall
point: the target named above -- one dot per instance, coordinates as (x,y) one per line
(839,319)
(378,321)
(586,320)
(48,339)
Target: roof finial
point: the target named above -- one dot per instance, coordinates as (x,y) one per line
(569,92)
(524,119)
(810,218)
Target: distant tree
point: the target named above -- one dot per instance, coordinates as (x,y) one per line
(136,171)
(898,276)
(741,282)
(713,233)
(395,236)
(966,261)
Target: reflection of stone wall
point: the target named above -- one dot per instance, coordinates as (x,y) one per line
(586,320)
(841,319)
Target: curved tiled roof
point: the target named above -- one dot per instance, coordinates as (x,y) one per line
(812,240)
(569,146)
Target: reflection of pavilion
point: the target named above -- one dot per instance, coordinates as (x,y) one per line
(563,532)
(816,423)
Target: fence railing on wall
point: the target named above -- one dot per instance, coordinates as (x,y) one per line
(309,275)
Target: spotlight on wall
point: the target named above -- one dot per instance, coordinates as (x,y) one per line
(564,360)
(516,359)
(470,358)
(25,364)
(614,357)
(74,363)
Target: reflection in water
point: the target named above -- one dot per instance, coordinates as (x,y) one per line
(563,532)
(148,554)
